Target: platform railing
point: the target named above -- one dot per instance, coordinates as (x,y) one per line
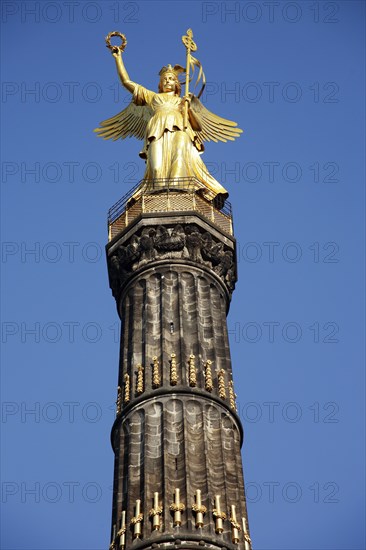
(162,195)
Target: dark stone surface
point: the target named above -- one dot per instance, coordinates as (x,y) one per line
(172,278)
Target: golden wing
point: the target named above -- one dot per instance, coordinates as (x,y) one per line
(210,127)
(131,122)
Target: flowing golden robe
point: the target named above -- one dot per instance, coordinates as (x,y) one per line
(170,151)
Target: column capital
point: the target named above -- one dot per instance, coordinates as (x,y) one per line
(151,241)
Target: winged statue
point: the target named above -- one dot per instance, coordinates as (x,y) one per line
(173,128)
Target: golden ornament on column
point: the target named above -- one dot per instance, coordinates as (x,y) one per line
(219,516)
(235,526)
(192,371)
(199,509)
(156,512)
(140,380)
(173,370)
(137,520)
(119,400)
(208,376)
(232,396)
(112,545)
(221,383)
(156,381)
(247,539)
(177,507)
(122,532)
(126,397)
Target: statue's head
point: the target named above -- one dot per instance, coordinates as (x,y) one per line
(169,80)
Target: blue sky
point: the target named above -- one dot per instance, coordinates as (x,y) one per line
(292,75)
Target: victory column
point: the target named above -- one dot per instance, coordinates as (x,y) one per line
(178,478)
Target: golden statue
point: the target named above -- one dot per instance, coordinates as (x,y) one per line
(173,128)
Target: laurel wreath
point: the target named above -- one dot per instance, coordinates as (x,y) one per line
(123,44)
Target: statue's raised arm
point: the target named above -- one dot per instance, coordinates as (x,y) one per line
(122,73)
(117,54)
(173,128)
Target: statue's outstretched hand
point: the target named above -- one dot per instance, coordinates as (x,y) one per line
(116,52)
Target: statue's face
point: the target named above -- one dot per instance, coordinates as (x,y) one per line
(168,82)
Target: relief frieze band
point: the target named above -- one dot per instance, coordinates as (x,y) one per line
(175,242)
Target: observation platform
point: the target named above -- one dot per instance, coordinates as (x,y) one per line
(166,195)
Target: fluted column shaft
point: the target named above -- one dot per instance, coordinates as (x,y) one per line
(176,427)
